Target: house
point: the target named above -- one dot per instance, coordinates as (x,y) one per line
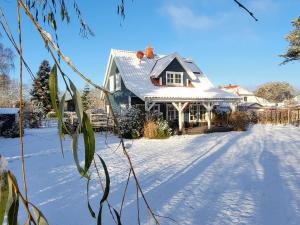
(8,118)
(169,84)
(248,99)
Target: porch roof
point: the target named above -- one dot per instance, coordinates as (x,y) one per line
(190,94)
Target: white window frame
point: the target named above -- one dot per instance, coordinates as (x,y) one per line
(200,114)
(175,112)
(112,83)
(118,82)
(155,108)
(173,79)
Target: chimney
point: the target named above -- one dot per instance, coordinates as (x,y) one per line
(140,55)
(149,52)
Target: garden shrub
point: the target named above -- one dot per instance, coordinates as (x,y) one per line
(12,132)
(131,122)
(163,129)
(239,121)
(157,129)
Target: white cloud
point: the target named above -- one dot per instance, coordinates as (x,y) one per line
(184,17)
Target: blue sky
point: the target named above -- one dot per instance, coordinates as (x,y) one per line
(227,44)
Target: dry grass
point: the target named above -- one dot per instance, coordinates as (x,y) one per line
(150,129)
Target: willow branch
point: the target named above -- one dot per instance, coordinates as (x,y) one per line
(24,201)
(102,187)
(21,106)
(46,37)
(246,9)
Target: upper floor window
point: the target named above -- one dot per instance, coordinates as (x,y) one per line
(111,84)
(174,78)
(245,99)
(118,82)
(115,82)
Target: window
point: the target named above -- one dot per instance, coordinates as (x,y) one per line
(118,82)
(111,84)
(245,99)
(193,112)
(202,112)
(155,109)
(174,78)
(197,113)
(172,113)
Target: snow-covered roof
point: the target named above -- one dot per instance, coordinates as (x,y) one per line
(136,75)
(162,62)
(238,90)
(189,93)
(9,110)
(250,104)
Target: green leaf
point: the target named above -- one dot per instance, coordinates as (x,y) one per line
(89,141)
(53,88)
(78,103)
(61,123)
(13,201)
(107,181)
(75,153)
(3,195)
(118,217)
(106,191)
(99,219)
(88,200)
(39,218)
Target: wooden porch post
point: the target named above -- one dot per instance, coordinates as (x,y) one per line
(208,106)
(148,107)
(180,109)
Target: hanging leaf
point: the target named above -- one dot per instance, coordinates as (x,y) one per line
(118,217)
(106,190)
(75,153)
(61,124)
(39,218)
(3,195)
(13,201)
(88,200)
(89,141)
(53,89)
(78,103)
(99,219)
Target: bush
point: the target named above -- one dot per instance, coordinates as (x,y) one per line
(131,122)
(12,132)
(163,129)
(157,129)
(239,121)
(51,114)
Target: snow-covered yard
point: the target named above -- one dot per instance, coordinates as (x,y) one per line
(250,177)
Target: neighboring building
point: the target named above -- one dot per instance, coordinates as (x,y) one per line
(8,118)
(169,84)
(248,99)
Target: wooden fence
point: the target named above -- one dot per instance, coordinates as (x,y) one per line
(279,116)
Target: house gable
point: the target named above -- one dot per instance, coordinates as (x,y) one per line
(174,66)
(121,94)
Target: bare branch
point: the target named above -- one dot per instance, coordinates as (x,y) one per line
(246,9)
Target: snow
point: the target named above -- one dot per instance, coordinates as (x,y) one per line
(247,177)
(136,76)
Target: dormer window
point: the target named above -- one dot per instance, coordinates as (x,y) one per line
(174,78)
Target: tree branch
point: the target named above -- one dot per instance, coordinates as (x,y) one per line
(246,9)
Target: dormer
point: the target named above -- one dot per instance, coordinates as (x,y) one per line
(174,74)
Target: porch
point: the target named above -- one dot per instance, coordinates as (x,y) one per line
(188,113)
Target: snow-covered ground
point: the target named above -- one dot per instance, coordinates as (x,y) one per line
(250,177)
